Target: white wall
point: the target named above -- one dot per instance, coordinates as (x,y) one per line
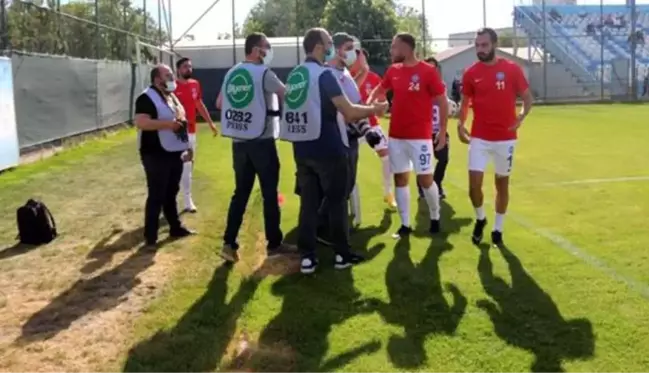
(222,57)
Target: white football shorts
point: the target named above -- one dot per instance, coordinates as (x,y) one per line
(501,152)
(409,155)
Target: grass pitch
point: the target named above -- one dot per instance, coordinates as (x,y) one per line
(570,293)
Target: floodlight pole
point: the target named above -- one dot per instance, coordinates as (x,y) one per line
(146,16)
(484,13)
(234,40)
(171,38)
(423,24)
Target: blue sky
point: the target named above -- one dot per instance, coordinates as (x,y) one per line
(444,17)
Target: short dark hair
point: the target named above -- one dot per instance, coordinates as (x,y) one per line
(408,39)
(433,61)
(253,40)
(155,72)
(312,38)
(493,36)
(340,38)
(181,61)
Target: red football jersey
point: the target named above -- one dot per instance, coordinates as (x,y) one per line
(493,90)
(372,80)
(189,92)
(413,91)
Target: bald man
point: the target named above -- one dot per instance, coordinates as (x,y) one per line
(164,146)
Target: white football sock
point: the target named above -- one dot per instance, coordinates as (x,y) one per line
(387,175)
(431,194)
(500,221)
(479,213)
(402,195)
(355,200)
(186,181)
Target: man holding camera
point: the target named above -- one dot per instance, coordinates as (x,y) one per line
(164,146)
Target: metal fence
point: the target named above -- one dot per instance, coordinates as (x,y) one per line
(591,52)
(74,65)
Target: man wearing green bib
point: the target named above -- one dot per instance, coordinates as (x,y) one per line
(249,115)
(320,145)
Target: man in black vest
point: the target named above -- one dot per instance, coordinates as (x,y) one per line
(163,147)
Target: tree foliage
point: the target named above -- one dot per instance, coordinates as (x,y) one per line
(39,30)
(373,21)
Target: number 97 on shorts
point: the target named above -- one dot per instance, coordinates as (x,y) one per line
(296,122)
(238,120)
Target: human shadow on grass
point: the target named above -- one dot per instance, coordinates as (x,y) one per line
(198,342)
(297,338)
(525,316)
(17,249)
(100,293)
(417,301)
(117,241)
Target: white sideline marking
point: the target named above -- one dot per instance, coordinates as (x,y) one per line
(571,248)
(589,181)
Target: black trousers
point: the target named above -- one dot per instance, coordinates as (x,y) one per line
(324,186)
(251,159)
(163,173)
(440,168)
(352,169)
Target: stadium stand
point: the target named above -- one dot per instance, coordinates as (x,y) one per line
(592,42)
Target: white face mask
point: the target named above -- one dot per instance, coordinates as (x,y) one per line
(350,57)
(269,57)
(170,86)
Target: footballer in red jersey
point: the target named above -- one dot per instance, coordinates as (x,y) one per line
(189,94)
(492,85)
(367,81)
(416,86)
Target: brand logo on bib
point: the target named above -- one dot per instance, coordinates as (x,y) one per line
(297,87)
(239,89)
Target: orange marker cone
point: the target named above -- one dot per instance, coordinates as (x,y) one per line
(280,199)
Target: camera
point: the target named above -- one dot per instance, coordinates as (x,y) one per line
(181,132)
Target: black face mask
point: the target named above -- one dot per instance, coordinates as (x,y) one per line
(186,75)
(487,57)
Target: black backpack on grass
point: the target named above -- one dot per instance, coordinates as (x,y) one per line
(36,224)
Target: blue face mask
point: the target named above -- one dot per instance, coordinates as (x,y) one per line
(330,55)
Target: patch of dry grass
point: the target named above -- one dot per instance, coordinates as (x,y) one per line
(70,305)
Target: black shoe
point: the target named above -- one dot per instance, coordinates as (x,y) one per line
(181,232)
(497,239)
(151,243)
(347,260)
(478,230)
(434,226)
(308,264)
(402,232)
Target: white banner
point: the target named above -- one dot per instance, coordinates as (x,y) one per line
(9,149)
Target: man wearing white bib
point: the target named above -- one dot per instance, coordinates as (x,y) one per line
(249,118)
(320,146)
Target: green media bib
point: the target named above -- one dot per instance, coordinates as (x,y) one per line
(297,87)
(239,89)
